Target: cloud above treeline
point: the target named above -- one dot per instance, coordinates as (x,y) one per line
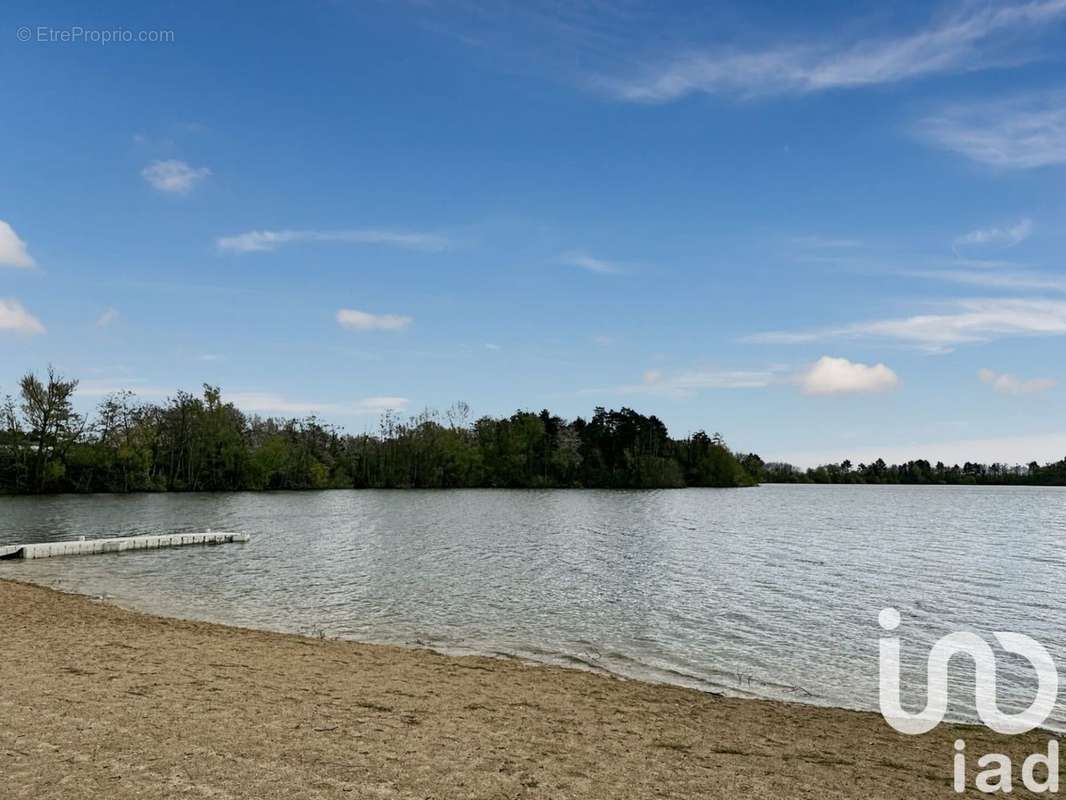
(250,401)
(829,375)
(581,260)
(107,318)
(1007,236)
(974,37)
(1022,132)
(1004,383)
(965,321)
(13,251)
(173,176)
(365,321)
(1011,279)
(265,241)
(686,383)
(16,319)
(270,403)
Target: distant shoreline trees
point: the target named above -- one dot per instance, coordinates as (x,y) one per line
(202,443)
(917,472)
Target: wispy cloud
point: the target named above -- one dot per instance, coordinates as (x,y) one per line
(13,252)
(16,319)
(1022,132)
(991,278)
(1006,236)
(576,258)
(174,176)
(270,403)
(539,34)
(986,263)
(1009,384)
(103,387)
(825,242)
(975,37)
(829,375)
(260,402)
(688,382)
(265,241)
(365,321)
(107,318)
(971,320)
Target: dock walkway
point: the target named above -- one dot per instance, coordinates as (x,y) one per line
(116,545)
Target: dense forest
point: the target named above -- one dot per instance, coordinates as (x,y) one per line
(202,443)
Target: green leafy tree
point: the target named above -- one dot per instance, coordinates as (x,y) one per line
(53,425)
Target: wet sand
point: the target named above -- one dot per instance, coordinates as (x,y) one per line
(102,703)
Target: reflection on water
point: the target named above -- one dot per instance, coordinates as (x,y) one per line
(771,591)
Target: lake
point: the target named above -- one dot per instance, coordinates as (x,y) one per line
(768,592)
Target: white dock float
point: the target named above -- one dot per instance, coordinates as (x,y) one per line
(85,547)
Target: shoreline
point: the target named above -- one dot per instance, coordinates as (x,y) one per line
(548,659)
(557,660)
(102,701)
(528,489)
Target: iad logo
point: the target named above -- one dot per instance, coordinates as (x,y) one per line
(972,645)
(999,773)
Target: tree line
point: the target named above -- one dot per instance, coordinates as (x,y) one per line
(203,443)
(919,471)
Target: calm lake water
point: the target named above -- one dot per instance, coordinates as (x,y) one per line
(771,592)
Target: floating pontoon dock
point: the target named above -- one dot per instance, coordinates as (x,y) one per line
(85,547)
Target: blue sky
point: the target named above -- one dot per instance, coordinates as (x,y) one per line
(830,232)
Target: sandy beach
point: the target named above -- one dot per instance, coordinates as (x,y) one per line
(101,702)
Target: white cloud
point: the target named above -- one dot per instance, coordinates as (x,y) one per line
(109,316)
(1023,132)
(830,375)
(365,321)
(1009,384)
(16,319)
(976,37)
(689,382)
(13,252)
(174,176)
(589,263)
(265,241)
(1006,236)
(269,403)
(974,320)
